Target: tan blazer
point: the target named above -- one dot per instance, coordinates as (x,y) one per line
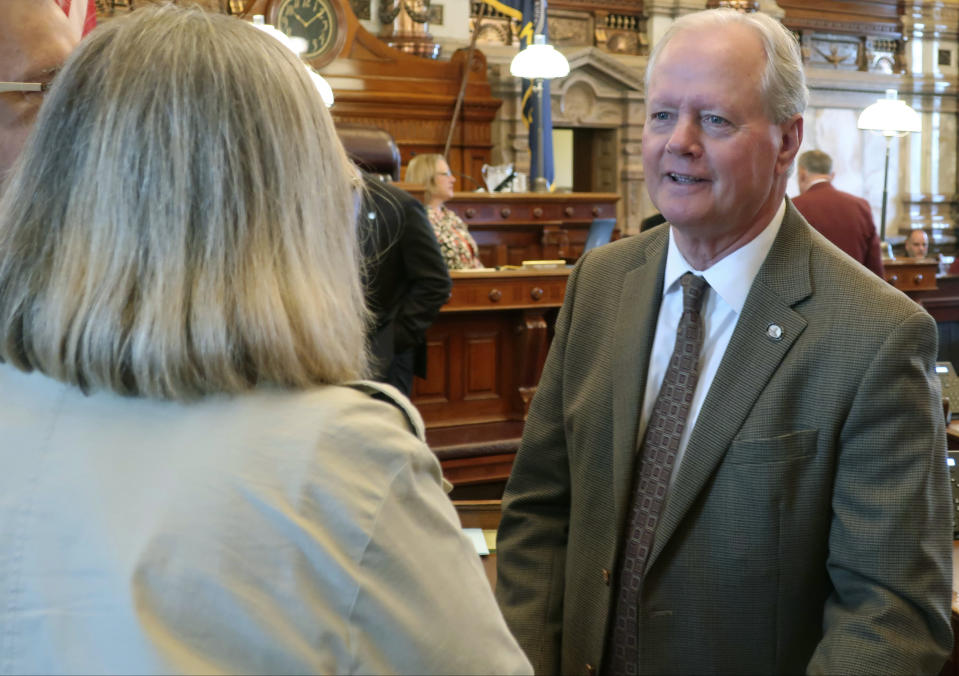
(808,528)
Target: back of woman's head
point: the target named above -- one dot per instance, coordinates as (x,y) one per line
(422,171)
(181,222)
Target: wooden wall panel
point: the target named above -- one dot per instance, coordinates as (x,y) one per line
(875,17)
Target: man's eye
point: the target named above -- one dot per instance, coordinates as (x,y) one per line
(715,120)
(659,116)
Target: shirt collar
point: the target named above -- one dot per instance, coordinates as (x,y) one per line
(732,276)
(817,182)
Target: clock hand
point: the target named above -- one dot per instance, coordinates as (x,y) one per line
(298,18)
(312,19)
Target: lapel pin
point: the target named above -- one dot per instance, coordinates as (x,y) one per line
(774,332)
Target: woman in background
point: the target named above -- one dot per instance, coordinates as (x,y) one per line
(458,246)
(190,482)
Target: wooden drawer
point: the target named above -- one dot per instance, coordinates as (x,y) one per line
(911,275)
(520,290)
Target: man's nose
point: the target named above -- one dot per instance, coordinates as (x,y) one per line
(685,138)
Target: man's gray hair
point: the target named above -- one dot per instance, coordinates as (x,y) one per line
(182,221)
(815,162)
(783,83)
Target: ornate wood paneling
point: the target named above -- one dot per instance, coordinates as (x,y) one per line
(412,98)
(880,17)
(861,35)
(617,26)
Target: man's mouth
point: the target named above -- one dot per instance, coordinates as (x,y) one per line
(684,178)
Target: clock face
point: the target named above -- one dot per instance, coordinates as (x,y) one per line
(313,20)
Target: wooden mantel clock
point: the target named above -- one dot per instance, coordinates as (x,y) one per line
(320,22)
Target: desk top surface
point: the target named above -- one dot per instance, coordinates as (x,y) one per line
(490,273)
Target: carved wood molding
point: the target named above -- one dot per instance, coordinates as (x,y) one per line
(861,17)
(611,6)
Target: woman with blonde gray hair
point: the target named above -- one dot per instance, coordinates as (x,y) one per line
(457,244)
(193,479)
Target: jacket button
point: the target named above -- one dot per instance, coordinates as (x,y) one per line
(606,576)
(590,670)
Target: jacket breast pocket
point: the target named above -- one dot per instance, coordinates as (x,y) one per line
(780,448)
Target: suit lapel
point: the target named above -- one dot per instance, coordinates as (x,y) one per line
(750,360)
(633,339)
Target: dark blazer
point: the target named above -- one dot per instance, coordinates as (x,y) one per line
(808,525)
(845,220)
(406,279)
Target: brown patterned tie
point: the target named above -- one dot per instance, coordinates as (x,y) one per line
(652,475)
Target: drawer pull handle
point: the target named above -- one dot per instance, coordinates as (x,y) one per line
(917,280)
(495,295)
(569,211)
(470,212)
(505,212)
(536,293)
(537,212)
(597,211)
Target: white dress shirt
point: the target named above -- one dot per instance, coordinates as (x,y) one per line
(729,279)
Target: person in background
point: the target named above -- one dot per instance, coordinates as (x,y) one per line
(406,281)
(193,479)
(843,219)
(735,460)
(457,244)
(36,37)
(917,244)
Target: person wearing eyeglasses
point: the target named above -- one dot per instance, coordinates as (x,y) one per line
(457,244)
(36,37)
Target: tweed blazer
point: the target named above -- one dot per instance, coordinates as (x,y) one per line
(808,527)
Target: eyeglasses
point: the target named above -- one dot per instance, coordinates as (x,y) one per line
(445,173)
(24,86)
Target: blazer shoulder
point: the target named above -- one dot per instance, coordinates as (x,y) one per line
(835,274)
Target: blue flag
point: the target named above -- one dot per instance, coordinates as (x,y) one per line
(532,20)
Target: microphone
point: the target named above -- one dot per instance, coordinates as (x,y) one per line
(470,179)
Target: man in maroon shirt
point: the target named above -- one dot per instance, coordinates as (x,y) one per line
(844,219)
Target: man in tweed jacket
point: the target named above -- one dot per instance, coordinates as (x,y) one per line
(807,523)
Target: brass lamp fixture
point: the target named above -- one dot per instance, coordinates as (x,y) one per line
(893,119)
(538,62)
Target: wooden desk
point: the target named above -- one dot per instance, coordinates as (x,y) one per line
(911,274)
(514,227)
(942,303)
(485,354)
(482,514)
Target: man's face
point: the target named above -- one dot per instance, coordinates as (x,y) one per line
(715,164)
(917,244)
(35,40)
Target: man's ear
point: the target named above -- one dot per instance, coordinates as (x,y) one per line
(791,132)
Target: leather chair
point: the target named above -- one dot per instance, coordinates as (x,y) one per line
(371,148)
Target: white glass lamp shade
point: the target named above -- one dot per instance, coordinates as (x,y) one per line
(890,116)
(297,46)
(322,86)
(539,60)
